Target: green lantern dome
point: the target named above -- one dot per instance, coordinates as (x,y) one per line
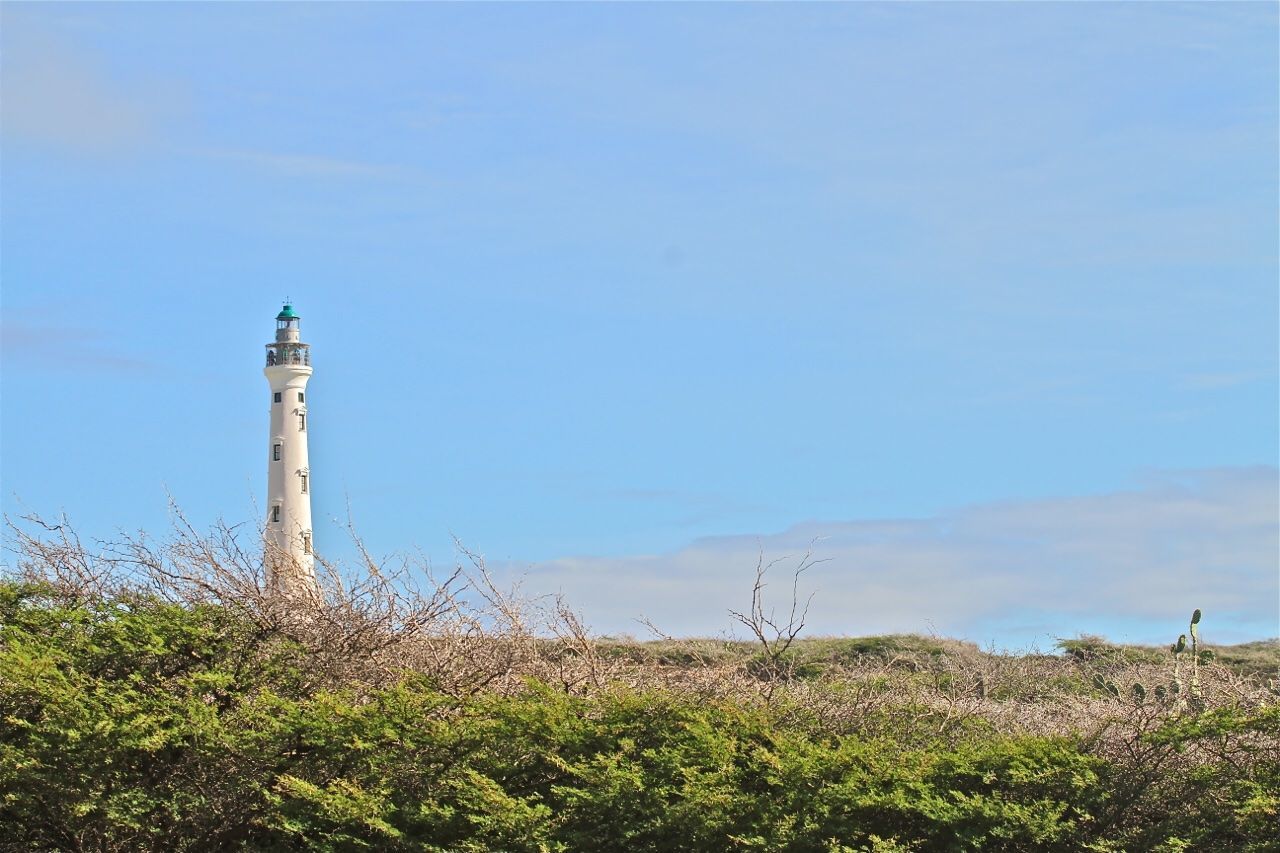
(287,313)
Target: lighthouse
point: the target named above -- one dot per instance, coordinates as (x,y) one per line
(290,563)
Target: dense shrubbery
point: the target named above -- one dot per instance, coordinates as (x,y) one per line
(132,723)
(174,706)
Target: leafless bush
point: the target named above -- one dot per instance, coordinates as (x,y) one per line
(774,636)
(367,623)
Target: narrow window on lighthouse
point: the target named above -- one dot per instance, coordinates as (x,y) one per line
(275,398)
(275,453)
(304,484)
(275,512)
(302,423)
(306,542)
(301,397)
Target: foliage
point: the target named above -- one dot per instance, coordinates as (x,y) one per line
(128,722)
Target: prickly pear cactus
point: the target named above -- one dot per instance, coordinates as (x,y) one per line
(1105,685)
(1178,648)
(1197,698)
(1194,697)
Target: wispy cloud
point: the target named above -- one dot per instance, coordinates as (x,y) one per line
(55,93)
(61,348)
(1216,381)
(300,165)
(697,507)
(1128,564)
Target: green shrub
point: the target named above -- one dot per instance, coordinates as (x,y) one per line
(134,724)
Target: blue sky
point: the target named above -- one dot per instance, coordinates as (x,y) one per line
(981,297)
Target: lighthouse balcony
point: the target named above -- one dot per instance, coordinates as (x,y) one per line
(288,354)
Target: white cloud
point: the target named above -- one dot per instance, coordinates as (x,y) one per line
(1130,564)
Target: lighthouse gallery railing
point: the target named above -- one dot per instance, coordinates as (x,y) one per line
(295,354)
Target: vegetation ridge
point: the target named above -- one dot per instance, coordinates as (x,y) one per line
(161,696)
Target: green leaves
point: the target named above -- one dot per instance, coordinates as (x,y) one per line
(142,725)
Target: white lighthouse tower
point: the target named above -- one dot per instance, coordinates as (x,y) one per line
(290,563)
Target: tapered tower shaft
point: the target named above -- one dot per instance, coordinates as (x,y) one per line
(290,562)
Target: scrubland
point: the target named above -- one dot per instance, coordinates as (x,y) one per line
(162,695)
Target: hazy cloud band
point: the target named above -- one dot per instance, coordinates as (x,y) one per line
(1131,564)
